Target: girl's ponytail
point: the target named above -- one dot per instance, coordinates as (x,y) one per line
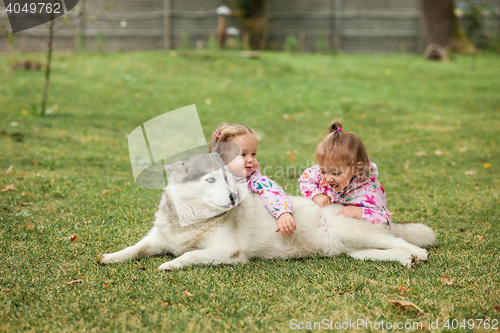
(335,126)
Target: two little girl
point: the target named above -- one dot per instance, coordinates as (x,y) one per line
(344,174)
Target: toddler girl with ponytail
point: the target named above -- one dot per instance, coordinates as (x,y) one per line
(344,174)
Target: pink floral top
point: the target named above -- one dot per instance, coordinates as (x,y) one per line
(367,194)
(273,195)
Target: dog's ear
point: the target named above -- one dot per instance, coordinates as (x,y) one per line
(177,170)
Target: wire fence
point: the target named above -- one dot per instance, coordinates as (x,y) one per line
(354,26)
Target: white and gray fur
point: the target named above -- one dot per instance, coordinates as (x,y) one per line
(249,230)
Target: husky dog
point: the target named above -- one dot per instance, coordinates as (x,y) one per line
(238,230)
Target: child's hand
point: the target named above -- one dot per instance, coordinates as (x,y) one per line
(352,211)
(322,200)
(286,224)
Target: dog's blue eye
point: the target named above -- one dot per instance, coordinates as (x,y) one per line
(210,179)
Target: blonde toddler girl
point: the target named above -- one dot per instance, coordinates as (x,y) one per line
(275,198)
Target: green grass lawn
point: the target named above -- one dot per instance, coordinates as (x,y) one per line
(73,167)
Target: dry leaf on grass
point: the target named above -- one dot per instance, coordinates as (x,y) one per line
(402,289)
(10,187)
(291,158)
(470,173)
(487,165)
(405,304)
(73,282)
(9,170)
(439,153)
(73,238)
(463,149)
(139,267)
(187,293)
(421,153)
(164,304)
(30,226)
(446,280)
(105,193)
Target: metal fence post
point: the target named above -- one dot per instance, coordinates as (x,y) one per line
(338,24)
(167,24)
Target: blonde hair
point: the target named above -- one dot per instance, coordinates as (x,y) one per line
(339,147)
(225,133)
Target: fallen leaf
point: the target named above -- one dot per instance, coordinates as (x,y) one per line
(421,153)
(105,193)
(291,158)
(470,173)
(73,282)
(187,293)
(10,187)
(164,304)
(34,162)
(407,167)
(73,238)
(139,267)
(30,226)
(439,153)
(402,289)
(463,149)
(9,170)
(487,165)
(481,238)
(373,281)
(497,308)
(446,280)
(405,304)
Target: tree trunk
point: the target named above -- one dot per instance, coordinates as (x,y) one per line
(47,70)
(442,26)
(438,21)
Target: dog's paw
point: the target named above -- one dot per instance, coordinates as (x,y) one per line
(171,265)
(421,254)
(408,260)
(107,259)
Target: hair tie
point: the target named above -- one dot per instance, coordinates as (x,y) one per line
(339,129)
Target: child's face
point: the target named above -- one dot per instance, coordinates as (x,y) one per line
(248,154)
(336,176)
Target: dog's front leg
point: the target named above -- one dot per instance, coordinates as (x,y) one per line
(212,256)
(146,247)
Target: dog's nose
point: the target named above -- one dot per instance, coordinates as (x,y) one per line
(233,197)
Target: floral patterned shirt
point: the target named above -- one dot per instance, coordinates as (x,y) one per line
(273,195)
(367,194)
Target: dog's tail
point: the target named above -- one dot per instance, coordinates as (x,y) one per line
(415,233)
